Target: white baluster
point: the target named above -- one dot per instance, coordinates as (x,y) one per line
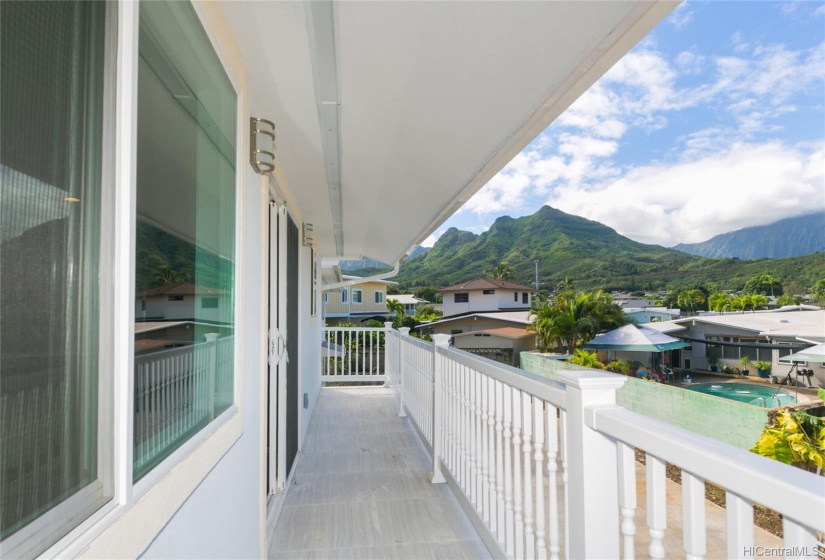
(800,540)
(471,439)
(468,435)
(439,340)
(739,517)
(553,481)
(485,453)
(564,479)
(538,421)
(403,377)
(529,529)
(627,497)
(477,423)
(693,515)
(509,535)
(656,505)
(491,454)
(462,427)
(498,391)
(517,475)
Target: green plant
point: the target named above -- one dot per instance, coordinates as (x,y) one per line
(821,394)
(794,438)
(763,365)
(586,359)
(619,367)
(713,360)
(745,362)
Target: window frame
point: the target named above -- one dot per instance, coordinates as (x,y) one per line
(359,300)
(379,297)
(344,295)
(488,292)
(461,297)
(189,464)
(525,298)
(97,497)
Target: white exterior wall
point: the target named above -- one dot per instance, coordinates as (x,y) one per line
(479,302)
(224,517)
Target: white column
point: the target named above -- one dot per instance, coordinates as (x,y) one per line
(402,366)
(592,468)
(442,341)
(387,334)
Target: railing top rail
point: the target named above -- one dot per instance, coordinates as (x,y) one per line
(794,493)
(358,329)
(541,387)
(151,357)
(418,342)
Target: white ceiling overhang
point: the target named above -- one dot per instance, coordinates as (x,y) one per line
(391,115)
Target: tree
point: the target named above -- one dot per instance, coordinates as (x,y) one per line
(397,308)
(764,284)
(786,299)
(502,271)
(566,284)
(690,299)
(818,291)
(428,294)
(719,302)
(165,275)
(570,319)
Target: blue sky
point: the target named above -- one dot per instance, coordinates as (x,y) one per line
(714,122)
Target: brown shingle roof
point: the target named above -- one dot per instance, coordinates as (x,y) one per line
(486,284)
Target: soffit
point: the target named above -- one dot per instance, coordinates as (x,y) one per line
(435,98)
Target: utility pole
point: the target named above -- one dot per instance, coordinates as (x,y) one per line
(537,274)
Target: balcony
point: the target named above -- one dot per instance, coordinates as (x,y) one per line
(365,484)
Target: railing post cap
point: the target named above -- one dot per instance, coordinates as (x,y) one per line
(388,325)
(590,380)
(405,331)
(441,339)
(211,337)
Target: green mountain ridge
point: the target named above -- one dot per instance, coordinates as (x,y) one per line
(591,253)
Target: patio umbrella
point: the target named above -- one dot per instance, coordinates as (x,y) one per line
(812,354)
(634,339)
(631,338)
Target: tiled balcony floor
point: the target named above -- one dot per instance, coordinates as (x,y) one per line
(362,488)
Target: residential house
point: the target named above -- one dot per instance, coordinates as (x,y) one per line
(503,344)
(357,301)
(484,295)
(143,134)
(651,314)
(175,302)
(761,335)
(410,302)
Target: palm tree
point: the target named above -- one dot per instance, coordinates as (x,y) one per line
(719,302)
(690,299)
(569,320)
(395,307)
(502,271)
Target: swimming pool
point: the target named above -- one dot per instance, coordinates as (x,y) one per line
(759,395)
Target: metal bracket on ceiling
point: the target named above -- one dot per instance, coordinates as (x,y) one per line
(261,160)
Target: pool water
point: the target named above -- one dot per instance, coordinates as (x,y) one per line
(758,395)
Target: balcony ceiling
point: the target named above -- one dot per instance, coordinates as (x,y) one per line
(414,106)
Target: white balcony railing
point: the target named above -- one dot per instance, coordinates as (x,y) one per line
(547,468)
(353,355)
(177,392)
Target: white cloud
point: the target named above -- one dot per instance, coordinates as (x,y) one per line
(693,201)
(430,241)
(820,11)
(681,16)
(731,158)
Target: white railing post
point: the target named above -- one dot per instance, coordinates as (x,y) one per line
(387,334)
(212,373)
(442,340)
(405,333)
(592,467)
